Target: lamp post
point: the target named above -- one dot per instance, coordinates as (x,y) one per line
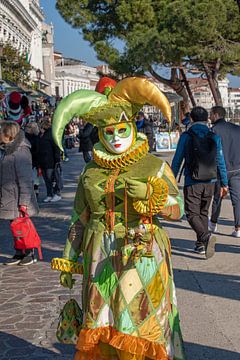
(39,75)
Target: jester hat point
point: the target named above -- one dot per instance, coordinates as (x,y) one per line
(121,104)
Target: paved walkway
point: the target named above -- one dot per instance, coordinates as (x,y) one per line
(31,298)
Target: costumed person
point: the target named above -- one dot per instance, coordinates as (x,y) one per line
(128,293)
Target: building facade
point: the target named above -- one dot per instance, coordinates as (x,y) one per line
(21,26)
(72,75)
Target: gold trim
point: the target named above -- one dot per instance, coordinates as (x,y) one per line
(113,161)
(66,265)
(158,198)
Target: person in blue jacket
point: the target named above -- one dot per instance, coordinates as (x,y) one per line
(198,194)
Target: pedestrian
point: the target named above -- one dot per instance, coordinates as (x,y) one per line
(31,134)
(230,137)
(48,160)
(129,299)
(16,186)
(146,127)
(186,121)
(87,138)
(201,150)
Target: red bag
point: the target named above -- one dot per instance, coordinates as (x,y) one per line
(25,234)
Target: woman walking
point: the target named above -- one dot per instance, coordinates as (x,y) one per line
(48,158)
(16,186)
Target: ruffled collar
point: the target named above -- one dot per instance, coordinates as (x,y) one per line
(107,160)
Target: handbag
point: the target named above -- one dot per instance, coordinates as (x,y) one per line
(70,323)
(25,234)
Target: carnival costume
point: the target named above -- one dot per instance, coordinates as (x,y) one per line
(128,294)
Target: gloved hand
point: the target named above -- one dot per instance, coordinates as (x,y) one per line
(66,279)
(137,190)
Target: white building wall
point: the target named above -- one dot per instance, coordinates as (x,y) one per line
(223,88)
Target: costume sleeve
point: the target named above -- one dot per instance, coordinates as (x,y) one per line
(174,207)
(79,219)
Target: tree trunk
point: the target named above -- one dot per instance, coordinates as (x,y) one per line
(189,90)
(213,84)
(176,84)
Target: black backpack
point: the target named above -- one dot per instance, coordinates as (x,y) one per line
(202,156)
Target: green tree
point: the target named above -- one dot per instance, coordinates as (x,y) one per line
(185,34)
(15,66)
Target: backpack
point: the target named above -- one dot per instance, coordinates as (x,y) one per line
(202,152)
(94,135)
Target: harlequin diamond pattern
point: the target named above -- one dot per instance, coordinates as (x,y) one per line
(106,281)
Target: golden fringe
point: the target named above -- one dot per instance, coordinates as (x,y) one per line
(157,200)
(66,265)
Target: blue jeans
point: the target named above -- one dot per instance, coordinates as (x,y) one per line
(234,190)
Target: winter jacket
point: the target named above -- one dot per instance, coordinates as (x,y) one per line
(86,143)
(16,185)
(230,136)
(146,127)
(182,153)
(34,140)
(48,152)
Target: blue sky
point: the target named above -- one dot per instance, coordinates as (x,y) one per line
(68,40)
(71,44)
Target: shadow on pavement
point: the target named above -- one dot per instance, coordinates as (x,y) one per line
(202,352)
(15,348)
(225,286)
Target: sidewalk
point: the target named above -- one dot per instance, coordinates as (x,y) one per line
(31,298)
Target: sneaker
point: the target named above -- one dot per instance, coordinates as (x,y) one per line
(200,249)
(212,226)
(28,260)
(15,260)
(210,246)
(66,159)
(56,198)
(236,233)
(48,199)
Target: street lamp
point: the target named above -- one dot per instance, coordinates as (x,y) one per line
(38,75)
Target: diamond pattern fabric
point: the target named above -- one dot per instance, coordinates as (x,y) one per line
(129,307)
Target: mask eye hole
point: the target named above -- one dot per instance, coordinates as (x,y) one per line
(109,131)
(122,130)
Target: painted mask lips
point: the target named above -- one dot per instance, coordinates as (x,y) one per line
(117,145)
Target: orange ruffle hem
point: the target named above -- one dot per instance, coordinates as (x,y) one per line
(89,339)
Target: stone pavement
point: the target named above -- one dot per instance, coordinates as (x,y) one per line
(31,298)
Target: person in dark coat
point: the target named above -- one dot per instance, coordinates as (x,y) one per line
(48,160)
(146,127)
(16,186)
(87,137)
(230,136)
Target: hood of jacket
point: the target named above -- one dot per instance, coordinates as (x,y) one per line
(200,128)
(19,140)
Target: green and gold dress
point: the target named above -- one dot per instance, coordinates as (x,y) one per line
(128,295)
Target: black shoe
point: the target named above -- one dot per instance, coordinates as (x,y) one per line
(28,260)
(210,246)
(199,249)
(15,260)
